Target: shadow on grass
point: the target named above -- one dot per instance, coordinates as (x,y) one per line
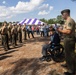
(4,57)
(18,46)
(27,67)
(8,52)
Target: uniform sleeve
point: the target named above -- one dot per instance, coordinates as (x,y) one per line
(69,25)
(23,29)
(2,29)
(18,29)
(12,30)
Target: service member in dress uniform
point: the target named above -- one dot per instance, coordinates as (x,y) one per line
(69,41)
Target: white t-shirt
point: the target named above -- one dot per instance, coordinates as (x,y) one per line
(42,28)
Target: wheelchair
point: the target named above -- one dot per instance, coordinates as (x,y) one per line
(55,51)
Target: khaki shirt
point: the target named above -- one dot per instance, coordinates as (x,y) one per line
(9,29)
(24,29)
(19,29)
(69,24)
(4,30)
(14,30)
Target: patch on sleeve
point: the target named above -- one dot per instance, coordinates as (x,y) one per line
(69,24)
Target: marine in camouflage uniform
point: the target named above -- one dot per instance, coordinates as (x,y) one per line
(9,32)
(4,33)
(20,34)
(69,41)
(25,32)
(1,35)
(16,26)
(14,35)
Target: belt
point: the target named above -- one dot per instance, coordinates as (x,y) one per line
(68,37)
(4,34)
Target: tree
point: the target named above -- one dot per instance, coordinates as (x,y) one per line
(0,24)
(43,20)
(50,21)
(59,18)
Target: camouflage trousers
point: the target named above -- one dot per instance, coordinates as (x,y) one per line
(14,39)
(1,40)
(69,47)
(5,41)
(20,37)
(10,38)
(25,35)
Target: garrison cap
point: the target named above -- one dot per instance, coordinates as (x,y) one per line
(65,11)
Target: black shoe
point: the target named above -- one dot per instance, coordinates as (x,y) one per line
(68,73)
(43,58)
(9,48)
(64,65)
(6,49)
(48,59)
(16,45)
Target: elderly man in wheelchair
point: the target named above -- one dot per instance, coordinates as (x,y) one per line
(53,48)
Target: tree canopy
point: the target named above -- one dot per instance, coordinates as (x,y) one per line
(58,19)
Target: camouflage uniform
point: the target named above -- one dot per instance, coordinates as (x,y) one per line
(4,34)
(25,33)
(1,36)
(17,31)
(20,34)
(14,36)
(69,44)
(9,32)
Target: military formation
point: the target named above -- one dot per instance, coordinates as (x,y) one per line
(11,34)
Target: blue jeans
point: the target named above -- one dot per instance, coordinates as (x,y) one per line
(45,49)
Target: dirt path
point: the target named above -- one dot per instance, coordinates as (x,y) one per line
(24,60)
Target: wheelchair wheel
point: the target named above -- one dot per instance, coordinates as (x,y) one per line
(57,51)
